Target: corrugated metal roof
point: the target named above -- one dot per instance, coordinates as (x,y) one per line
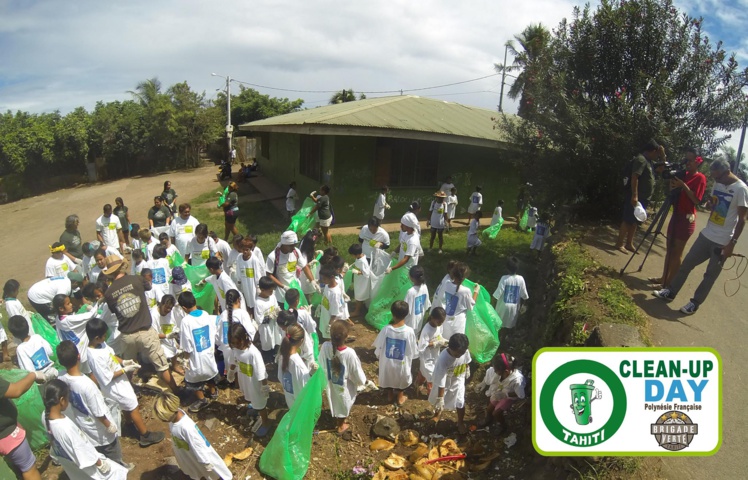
(400,116)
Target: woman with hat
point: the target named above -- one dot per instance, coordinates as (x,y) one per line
(438,220)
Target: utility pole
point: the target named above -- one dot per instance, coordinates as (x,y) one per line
(229,125)
(740,146)
(503,77)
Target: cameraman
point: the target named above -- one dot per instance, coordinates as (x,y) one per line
(686,193)
(729,204)
(638,183)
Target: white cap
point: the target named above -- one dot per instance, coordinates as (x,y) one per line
(639,213)
(289,238)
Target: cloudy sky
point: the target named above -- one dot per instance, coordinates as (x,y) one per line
(60,55)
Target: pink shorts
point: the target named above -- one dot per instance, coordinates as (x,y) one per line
(503,404)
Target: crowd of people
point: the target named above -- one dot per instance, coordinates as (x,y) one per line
(112,313)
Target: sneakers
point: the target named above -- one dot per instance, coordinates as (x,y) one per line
(689,308)
(664,294)
(199,405)
(151,438)
(129,466)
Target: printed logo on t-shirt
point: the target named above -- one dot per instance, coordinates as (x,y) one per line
(64,267)
(372,243)
(459,370)
(181,444)
(188,229)
(721,202)
(222,293)
(112,226)
(201,336)
(287,382)
(225,330)
(540,229)
(291,266)
(40,359)
(205,254)
(128,305)
(326,303)
(440,211)
(69,335)
(159,275)
(419,302)
(511,294)
(450,303)
(207,443)
(395,348)
(336,376)
(247,369)
(167,328)
(476,199)
(249,272)
(77,402)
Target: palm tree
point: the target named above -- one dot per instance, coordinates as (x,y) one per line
(533,43)
(147,91)
(344,96)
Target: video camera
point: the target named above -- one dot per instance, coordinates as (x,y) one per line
(671,170)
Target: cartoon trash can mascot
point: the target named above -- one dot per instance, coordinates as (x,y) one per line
(582,395)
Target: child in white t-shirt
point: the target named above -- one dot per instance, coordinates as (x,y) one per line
(438,220)
(542,231)
(361,278)
(302,313)
(506,385)
(285,319)
(33,351)
(292,371)
(58,264)
(266,312)
(430,344)
(451,369)
(497,213)
(439,292)
(532,218)
(417,298)
(396,347)
(195,456)
(333,304)
(509,294)
(344,374)
(138,262)
(245,363)
(167,321)
(457,300)
(452,203)
(291,198)
(221,282)
(160,271)
(473,238)
(250,267)
(73,327)
(197,338)
(201,247)
(14,307)
(476,201)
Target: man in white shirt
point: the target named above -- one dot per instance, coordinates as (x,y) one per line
(109,230)
(286,263)
(729,203)
(447,186)
(182,228)
(41,293)
(381,204)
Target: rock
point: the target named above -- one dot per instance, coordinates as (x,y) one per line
(386,427)
(511,440)
(614,335)
(211,423)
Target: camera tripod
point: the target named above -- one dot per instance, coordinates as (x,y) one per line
(655,227)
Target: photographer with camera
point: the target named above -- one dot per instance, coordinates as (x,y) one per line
(729,204)
(687,186)
(638,182)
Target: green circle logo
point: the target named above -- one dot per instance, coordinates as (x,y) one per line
(582,397)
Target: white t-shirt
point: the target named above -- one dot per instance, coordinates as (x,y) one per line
(513,383)
(34,355)
(362,281)
(410,244)
(270,332)
(541,233)
(371,239)
(473,240)
(451,205)
(73,328)
(395,348)
(238,315)
(725,202)
(450,374)
(497,212)
(108,227)
(379,206)
(294,378)
(161,277)
(44,291)
(291,198)
(86,404)
(306,321)
(200,252)
(14,307)
(418,302)
(509,292)
(437,214)
(222,284)
(447,187)
(427,355)
(58,268)
(192,450)
(439,293)
(333,305)
(223,247)
(476,201)
(197,337)
(75,452)
(104,365)
(250,372)
(290,266)
(456,302)
(183,231)
(248,274)
(165,325)
(532,217)
(343,377)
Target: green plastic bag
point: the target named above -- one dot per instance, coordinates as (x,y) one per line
(302,222)
(315,341)
(48,333)
(482,326)
(222,198)
(288,453)
(176,260)
(5,471)
(394,286)
(523,221)
(302,298)
(30,407)
(493,230)
(348,279)
(205,295)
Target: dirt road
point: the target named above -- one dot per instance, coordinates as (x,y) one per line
(32,224)
(720,323)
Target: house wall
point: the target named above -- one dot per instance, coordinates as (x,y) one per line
(348,167)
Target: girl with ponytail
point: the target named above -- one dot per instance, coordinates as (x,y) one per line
(457,300)
(247,366)
(506,385)
(292,370)
(70,446)
(233,313)
(285,319)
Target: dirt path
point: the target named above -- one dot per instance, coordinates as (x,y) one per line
(720,323)
(32,224)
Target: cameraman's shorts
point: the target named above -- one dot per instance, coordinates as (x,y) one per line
(628,211)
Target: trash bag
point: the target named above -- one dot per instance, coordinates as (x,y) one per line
(48,333)
(302,298)
(30,407)
(348,279)
(394,286)
(523,221)
(302,222)
(205,295)
(222,198)
(5,471)
(288,453)
(380,260)
(493,230)
(482,326)
(176,260)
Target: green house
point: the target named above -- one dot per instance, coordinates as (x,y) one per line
(407,142)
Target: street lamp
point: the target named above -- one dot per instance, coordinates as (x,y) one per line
(229,125)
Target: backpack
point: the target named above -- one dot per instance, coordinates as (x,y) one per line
(277,259)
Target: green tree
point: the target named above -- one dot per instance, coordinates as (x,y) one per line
(250,105)
(71,139)
(614,78)
(530,59)
(344,96)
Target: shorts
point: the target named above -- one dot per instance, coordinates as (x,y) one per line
(326,222)
(147,342)
(504,404)
(679,227)
(22,456)
(200,385)
(628,211)
(437,230)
